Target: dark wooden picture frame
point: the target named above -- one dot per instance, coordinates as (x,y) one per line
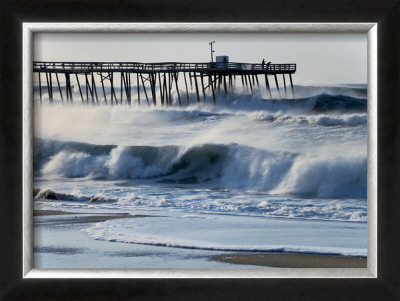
(13,285)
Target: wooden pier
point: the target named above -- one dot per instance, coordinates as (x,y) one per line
(155,81)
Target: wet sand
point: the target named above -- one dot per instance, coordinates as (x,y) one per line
(59,243)
(50,212)
(79,217)
(291,260)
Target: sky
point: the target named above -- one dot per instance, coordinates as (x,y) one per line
(322,59)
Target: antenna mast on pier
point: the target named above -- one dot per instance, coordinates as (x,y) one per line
(211,44)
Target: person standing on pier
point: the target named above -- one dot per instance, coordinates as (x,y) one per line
(263,63)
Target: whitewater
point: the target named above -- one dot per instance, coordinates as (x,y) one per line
(248,174)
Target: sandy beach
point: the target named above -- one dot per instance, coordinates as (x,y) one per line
(279,260)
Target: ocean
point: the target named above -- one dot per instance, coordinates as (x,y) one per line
(246,175)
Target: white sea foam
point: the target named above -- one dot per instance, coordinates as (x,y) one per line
(213,234)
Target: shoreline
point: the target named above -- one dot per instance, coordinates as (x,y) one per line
(272,260)
(294,260)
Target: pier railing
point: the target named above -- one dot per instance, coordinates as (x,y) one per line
(83,67)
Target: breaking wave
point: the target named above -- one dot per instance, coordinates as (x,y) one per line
(230,165)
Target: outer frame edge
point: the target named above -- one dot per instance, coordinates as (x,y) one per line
(372,200)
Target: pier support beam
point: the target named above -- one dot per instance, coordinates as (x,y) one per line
(49,86)
(129,89)
(210,84)
(251,86)
(177,88)
(277,86)
(126,79)
(153,88)
(122,88)
(165,94)
(79,86)
(40,89)
(102,78)
(258,83)
(144,89)
(59,88)
(68,88)
(151,82)
(284,83)
(187,91)
(87,88)
(94,88)
(267,86)
(191,83)
(197,89)
(138,87)
(225,87)
(202,85)
(113,96)
(291,84)
(169,89)
(160,86)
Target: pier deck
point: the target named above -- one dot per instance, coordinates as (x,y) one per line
(164,75)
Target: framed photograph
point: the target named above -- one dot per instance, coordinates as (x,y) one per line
(169,155)
(161,159)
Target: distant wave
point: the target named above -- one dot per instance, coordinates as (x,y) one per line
(357,91)
(317,119)
(321,103)
(317,104)
(232,166)
(326,102)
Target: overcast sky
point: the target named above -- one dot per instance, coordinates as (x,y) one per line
(320,58)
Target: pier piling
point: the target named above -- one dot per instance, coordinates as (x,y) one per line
(284,84)
(291,84)
(59,88)
(277,85)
